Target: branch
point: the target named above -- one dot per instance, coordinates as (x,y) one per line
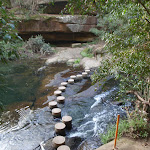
(147,20)
(146,9)
(139,97)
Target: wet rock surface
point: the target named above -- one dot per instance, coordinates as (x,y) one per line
(90,144)
(88,108)
(71,142)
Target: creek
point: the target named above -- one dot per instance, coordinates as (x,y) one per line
(27,120)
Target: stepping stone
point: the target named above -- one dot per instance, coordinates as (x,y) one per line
(60,128)
(84,74)
(61,99)
(71,81)
(63,147)
(67,120)
(73,77)
(52,104)
(64,84)
(56,112)
(57,93)
(62,88)
(58,141)
(79,76)
(87,70)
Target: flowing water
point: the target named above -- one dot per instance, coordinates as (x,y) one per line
(27,121)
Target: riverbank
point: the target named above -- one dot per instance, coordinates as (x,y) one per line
(72,56)
(126,143)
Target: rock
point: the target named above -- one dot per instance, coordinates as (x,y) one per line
(118,103)
(73,77)
(76,65)
(58,141)
(57,93)
(76,45)
(58,28)
(65,55)
(71,81)
(79,76)
(89,62)
(71,61)
(54,8)
(56,112)
(52,104)
(126,143)
(90,144)
(63,147)
(64,84)
(62,88)
(67,120)
(71,142)
(41,68)
(60,128)
(84,74)
(61,99)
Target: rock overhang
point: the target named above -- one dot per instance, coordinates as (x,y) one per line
(58,27)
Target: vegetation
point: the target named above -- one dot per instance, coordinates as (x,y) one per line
(136,126)
(87,52)
(37,45)
(77,61)
(125,27)
(8,34)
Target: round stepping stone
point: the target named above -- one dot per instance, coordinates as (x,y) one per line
(64,83)
(63,147)
(62,88)
(73,77)
(52,104)
(58,141)
(56,112)
(57,93)
(61,99)
(60,128)
(71,81)
(87,70)
(84,74)
(67,120)
(79,77)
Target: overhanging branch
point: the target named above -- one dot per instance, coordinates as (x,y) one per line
(139,97)
(146,9)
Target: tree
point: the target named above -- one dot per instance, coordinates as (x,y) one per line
(125,27)
(8,34)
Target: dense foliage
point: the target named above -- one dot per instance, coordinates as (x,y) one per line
(135,126)
(8,34)
(125,27)
(37,45)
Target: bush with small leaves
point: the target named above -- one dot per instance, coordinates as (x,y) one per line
(37,44)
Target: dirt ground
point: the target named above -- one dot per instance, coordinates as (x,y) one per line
(127,144)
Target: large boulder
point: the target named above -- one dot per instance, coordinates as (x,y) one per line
(58,28)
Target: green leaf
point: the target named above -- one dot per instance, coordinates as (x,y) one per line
(7,37)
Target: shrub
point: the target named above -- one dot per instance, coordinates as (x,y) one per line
(46,48)
(87,52)
(110,135)
(37,44)
(136,126)
(77,61)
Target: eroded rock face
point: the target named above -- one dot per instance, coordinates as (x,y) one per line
(59,28)
(51,25)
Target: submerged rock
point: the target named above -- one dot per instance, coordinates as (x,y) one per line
(90,144)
